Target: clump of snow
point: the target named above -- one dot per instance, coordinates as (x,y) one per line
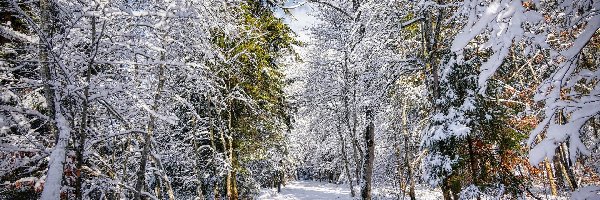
(470,192)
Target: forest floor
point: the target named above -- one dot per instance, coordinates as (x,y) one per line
(313,190)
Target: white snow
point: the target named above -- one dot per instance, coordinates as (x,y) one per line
(52,186)
(307,190)
(313,190)
(468,33)
(583,38)
(11,34)
(589,192)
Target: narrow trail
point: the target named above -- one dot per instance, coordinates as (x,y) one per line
(312,190)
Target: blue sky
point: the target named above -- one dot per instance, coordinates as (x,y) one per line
(300,19)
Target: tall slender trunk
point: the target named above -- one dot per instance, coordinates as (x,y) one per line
(84,116)
(279,179)
(46,73)
(446,189)
(563,161)
(356,145)
(345,159)
(231,175)
(162,178)
(157,188)
(214,147)
(347,113)
(228,177)
(197,170)
(141,173)
(357,161)
(234,189)
(567,171)
(216,116)
(407,150)
(473,163)
(550,175)
(399,165)
(431,28)
(369,157)
(229,150)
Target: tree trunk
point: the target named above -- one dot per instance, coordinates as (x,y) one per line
(46,73)
(345,159)
(231,179)
(141,173)
(84,120)
(472,162)
(358,151)
(558,170)
(568,166)
(157,188)
(566,174)
(446,189)
(52,189)
(163,178)
(228,177)
(563,161)
(197,170)
(279,180)
(369,157)
(234,191)
(407,159)
(357,161)
(347,113)
(550,175)
(399,169)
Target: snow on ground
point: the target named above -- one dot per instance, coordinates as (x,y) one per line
(421,192)
(312,190)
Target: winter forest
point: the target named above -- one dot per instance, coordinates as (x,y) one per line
(299,99)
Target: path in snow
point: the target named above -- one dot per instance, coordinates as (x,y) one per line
(312,190)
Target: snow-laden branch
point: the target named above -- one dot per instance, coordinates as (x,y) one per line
(295,5)
(53,183)
(580,111)
(503,21)
(327,4)
(11,34)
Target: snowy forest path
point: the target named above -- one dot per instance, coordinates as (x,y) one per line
(312,190)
